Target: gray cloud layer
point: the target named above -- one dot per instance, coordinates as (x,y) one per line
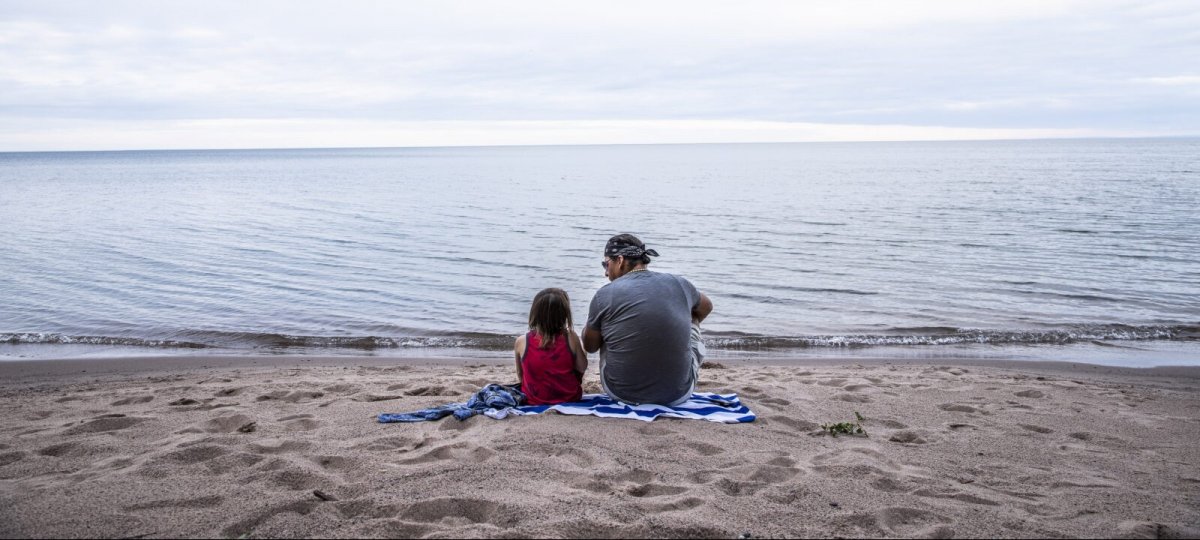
(1103,65)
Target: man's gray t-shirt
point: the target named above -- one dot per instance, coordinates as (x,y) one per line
(645,320)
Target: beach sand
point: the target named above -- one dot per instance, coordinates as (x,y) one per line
(288,446)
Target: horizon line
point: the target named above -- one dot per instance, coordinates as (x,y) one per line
(443,146)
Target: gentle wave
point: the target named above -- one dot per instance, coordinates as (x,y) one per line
(916,336)
(963,336)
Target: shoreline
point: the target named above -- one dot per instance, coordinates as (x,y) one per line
(241,446)
(11,370)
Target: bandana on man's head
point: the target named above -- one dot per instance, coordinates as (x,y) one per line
(627,250)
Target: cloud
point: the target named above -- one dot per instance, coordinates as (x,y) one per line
(1019,66)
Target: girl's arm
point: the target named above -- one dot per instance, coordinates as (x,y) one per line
(581,361)
(519,351)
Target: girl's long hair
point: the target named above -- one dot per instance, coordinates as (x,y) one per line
(550,315)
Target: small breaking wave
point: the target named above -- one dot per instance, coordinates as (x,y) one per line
(272,341)
(931,336)
(902,337)
(60,339)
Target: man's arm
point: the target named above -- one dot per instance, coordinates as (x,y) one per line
(702,309)
(591,339)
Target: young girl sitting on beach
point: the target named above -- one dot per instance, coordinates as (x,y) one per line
(550,358)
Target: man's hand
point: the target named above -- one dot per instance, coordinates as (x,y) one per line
(702,309)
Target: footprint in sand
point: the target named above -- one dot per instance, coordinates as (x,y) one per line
(1151,529)
(194,454)
(793,425)
(914,523)
(389,528)
(957,407)
(1035,394)
(342,388)
(751,391)
(284,447)
(459,425)
(301,396)
(336,463)
(278,394)
(429,391)
(653,430)
(394,444)
(890,484)
(853,398)
(133,400)
(103,425)
(575,456)
(859,464)
(686,503)
(8,458)
(221,424)
(705,449)
(256,523)
(459,452)
(289,476)
(745,480)
(371,398)
(579,457)
(1035,429)
(300,422)
(68,449)
(198,502)
(298,396)
(908,437)
(832,382)
(950,493)
(654,490)
(637,476)
(459,511)
(775,401)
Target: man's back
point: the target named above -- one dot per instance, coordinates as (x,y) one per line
(645,319)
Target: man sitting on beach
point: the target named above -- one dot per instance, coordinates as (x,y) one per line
(646,326)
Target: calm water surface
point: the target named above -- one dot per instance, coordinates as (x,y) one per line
(800,246)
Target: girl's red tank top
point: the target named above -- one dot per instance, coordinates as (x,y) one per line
(549,374)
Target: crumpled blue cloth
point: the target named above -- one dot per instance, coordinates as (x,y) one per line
(495,399)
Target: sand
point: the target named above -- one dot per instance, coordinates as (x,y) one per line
(288,446)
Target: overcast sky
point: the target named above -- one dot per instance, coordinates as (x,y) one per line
(264,74)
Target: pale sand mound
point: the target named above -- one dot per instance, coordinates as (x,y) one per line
(950,452)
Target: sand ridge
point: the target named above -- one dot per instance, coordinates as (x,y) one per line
(951,451)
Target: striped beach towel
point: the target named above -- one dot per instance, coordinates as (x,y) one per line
(723,408)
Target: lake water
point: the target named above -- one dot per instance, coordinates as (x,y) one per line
(805,249)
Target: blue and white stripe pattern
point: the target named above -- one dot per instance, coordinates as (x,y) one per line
(500,401)
(723,408)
